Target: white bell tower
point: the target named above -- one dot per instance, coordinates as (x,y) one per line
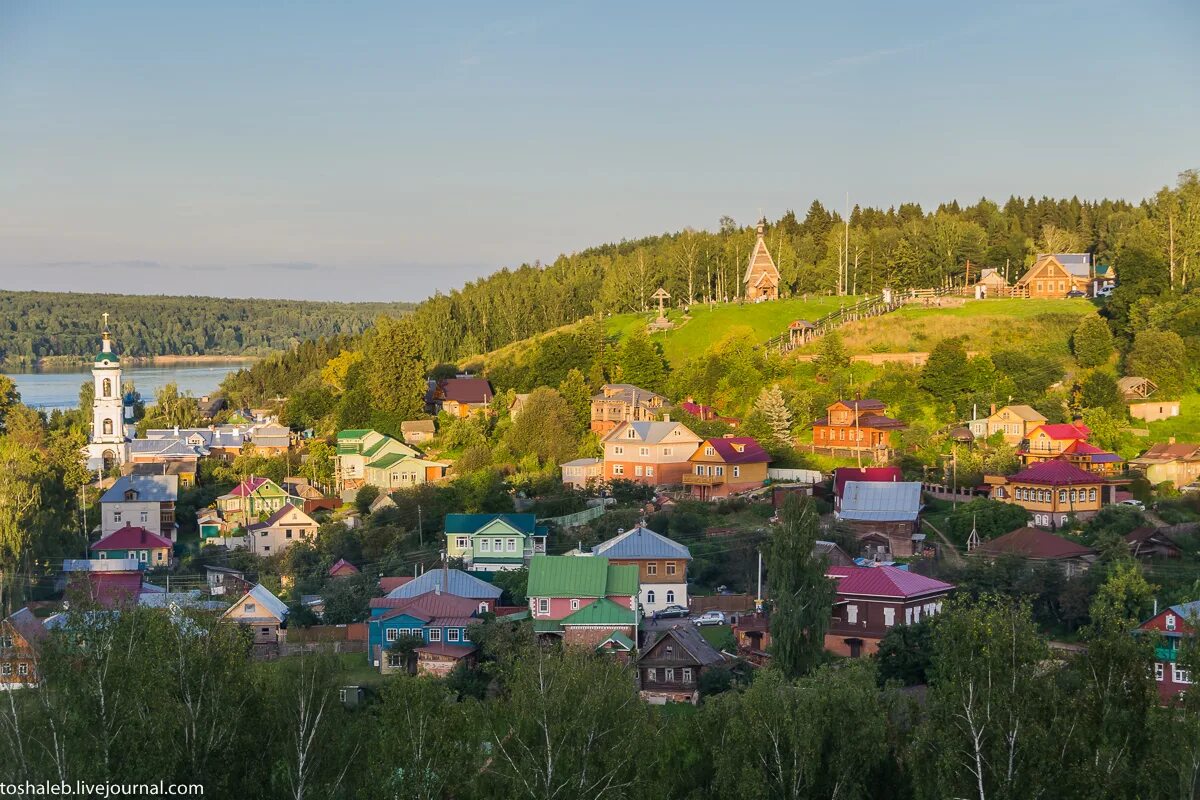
(108,446)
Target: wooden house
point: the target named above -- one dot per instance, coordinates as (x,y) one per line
(150,550)
(20,634)
(1136,393)
(654,453)
(869,601)
(417,431)
(1053,492)
(671,662)
(883,516)
(494,542)
(1149,543)
(460,396)
(1016,422)
(280,531)
(253,499)
(623,402)
(264,614)
(1050,277)
(147,501)
(761,280)
(726,465)
(439,620)
(1033,544)
(1171,461)
(859,424)
(1173,625)
(1047,442)
(991,283)
(662,565)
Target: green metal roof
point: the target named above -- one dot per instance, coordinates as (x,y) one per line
(375,448)
(106,357)
(546,626)
(497,559)
(347,449)
(601,612)
(356,433)
(387,461)
(568,576)
(623,580)
(619,638)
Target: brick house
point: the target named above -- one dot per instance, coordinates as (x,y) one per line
(561,589)
(856,425)
(662,565)
(1033,544)
(883,516)
(1175,625)
(655,453)
(1053,491)
(726,465)
(671,663)
(871,600)
(623,402)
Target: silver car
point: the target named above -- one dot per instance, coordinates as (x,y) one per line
(711,618)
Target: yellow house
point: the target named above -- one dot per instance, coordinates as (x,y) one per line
(1053,491)
(1016,422)
(260,611)
(1050,277)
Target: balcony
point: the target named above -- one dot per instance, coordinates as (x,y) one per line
(691,479)
(1164,653)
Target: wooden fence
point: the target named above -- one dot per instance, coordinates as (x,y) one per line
(729,603)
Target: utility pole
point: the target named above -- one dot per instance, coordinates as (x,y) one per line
(758,600)
(420,527)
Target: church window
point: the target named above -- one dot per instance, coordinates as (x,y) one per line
(108,427)
(107,388)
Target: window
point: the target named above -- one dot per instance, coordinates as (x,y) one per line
(1180,675)
(670,596)
(143,556)
(720,470)
(435,634)
(117,515)
(512,545)
(483,607)
(251,608)
(618,450)
(889,617)
(108,427)
(687,674)
(462,542)
(6,642)
(265,631)
(631,434)
(452,634)
(1062,520)
(644,451)
(699,469)
(670,567)
(708,451)
(1062,495)
(670,651)
(852,614)
(637,470)
(158,556)
(574,604)
(543,605)
(5,669)
(391,634)
(651,675)
(1091,494)
(649,472)
(666,451)
(287,534)
(266,548)
(107,388)
(737,472)
(669,674)
(1170,622)
(1158,671)
(485,546)
(393,659)
(498,545)
(651,567)
(22,669)
(650,597)
(145,516)
(908,616)
(618,469)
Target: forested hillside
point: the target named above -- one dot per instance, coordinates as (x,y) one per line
(35,325)
(901,247)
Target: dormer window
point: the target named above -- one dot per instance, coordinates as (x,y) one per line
(1170,622)
(631,434)
(131,494)
(708,451)
(741,448)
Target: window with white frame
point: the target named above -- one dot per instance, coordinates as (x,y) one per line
(618,450)
(512,545)
(668,674)
(852,614)
(650,597)
(649,472)
(22,669)
(1180,675)
(643,451)
(666,451)
(618,469)
(1170,620)
(737,472)
(708,451)
(391,634)
(462,542)
(543,605)
(1158,671)
(670,596)
(637,470)
(670,567)
(574,604)
(889,617)
(651,675)
(485,545)
(498,545)
(435,634)
(452,634)
(687,674)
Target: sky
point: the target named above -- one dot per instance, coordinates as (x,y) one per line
(386,151)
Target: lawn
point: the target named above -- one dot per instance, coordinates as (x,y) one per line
(1185,427)
(354,669)
(719,636)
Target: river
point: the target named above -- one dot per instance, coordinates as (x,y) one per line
(59,388)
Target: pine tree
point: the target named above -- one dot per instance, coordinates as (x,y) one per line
(801,593)
(771,405)
(574,390)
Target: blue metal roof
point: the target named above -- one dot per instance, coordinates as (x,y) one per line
(641,542)
(869,501)
(459,583)
(149,488)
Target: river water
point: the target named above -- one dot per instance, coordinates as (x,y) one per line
(59,388)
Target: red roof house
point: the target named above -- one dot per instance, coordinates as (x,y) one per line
(1172,626)
(110,590)
(726,465)
(342,569)
(1034,544)
(130,541)
(460,397)
(871,600)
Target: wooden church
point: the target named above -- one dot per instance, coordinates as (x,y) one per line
(762,277)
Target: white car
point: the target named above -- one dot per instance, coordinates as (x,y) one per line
(1134,503)
(711,618)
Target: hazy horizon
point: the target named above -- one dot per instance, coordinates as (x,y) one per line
(379,152)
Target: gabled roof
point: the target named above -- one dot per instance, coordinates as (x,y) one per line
(466,390)
(274,519)
(29,626)
(1165,453)
(131,537)
(868,474)
(251,485)
(354,433)
(628,393)
(1079,264)
(149,488)
(600,612)
(736,450)
(617,641)
(652,433)
(1053,473)
(689,639)
(456,582)
(641,542)
(417,426)
(572,576)
(1189,610)
(388,583)
(430,604)
(108,589)
(470,523)
(1063,431)
(1025,412)
(885,582)
(1034,543)
(343,567)
(583,462)
(862,404)
(1089,452)
(881,502)
(760,260)
(265,600)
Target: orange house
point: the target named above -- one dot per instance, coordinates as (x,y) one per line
(1049,277)
(1053,491)
(1046,442)
(856,425)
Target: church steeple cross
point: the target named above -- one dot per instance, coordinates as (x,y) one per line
(105,315)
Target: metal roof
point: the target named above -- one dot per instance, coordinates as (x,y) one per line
(601,612)
(149,488)
(460,583)
(470,523)
(881,502)
(641,542)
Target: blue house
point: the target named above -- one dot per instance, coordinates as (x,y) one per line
(439,620)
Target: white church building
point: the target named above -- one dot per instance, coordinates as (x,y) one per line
(109,444)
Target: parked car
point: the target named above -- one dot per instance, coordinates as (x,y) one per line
(1134,503)
(711,618)
(1105,291)
(1076,293)
(671,612)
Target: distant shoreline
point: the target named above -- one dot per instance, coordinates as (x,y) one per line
(52,363)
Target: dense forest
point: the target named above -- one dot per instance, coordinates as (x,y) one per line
(35,325)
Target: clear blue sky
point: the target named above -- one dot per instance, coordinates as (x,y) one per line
(386,150)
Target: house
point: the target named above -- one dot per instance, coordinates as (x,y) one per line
(460,396)
(1053,491)
(662,565)
(517,404)
(860,424)
(222,442)
(1136,393)
(149,549)
(144,500)
(705,413)
(342,569)
(434,617)
(990,284)
(445,581)
(583,600)
(834,556)
(871,600)
(1056,275)
(171,456)
(1034,544)
(1046,442)
(883,516)
(671,662)
(493,542)
(726,465)
(105,583)
(264,614)
(395,471)
(843,475)
(368,457)
(312,499)
(225,581)
(20,634)
(252,500)
(280,531)
(654,453)
(761,281)
(270,438)
(416,431)
(1090,458)
(1173,461)
(1149,543)
(623,402)
(1173,625)
(380,503)
(184,469)
(582,471)
(1016,422)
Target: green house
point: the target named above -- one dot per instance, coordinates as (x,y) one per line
(492,542)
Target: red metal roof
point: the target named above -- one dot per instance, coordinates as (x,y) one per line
(868,474)
(1064,430)
(1054,473)
(387,584)
(466,390)
(430,604)
(727,449)
(343,567)
(131,537)
(248,486)
(448,650)
(885,582)
(108,589)
(1034,543)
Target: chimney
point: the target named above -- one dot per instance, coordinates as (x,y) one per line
(176,430)
(993,408)
(666,417)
